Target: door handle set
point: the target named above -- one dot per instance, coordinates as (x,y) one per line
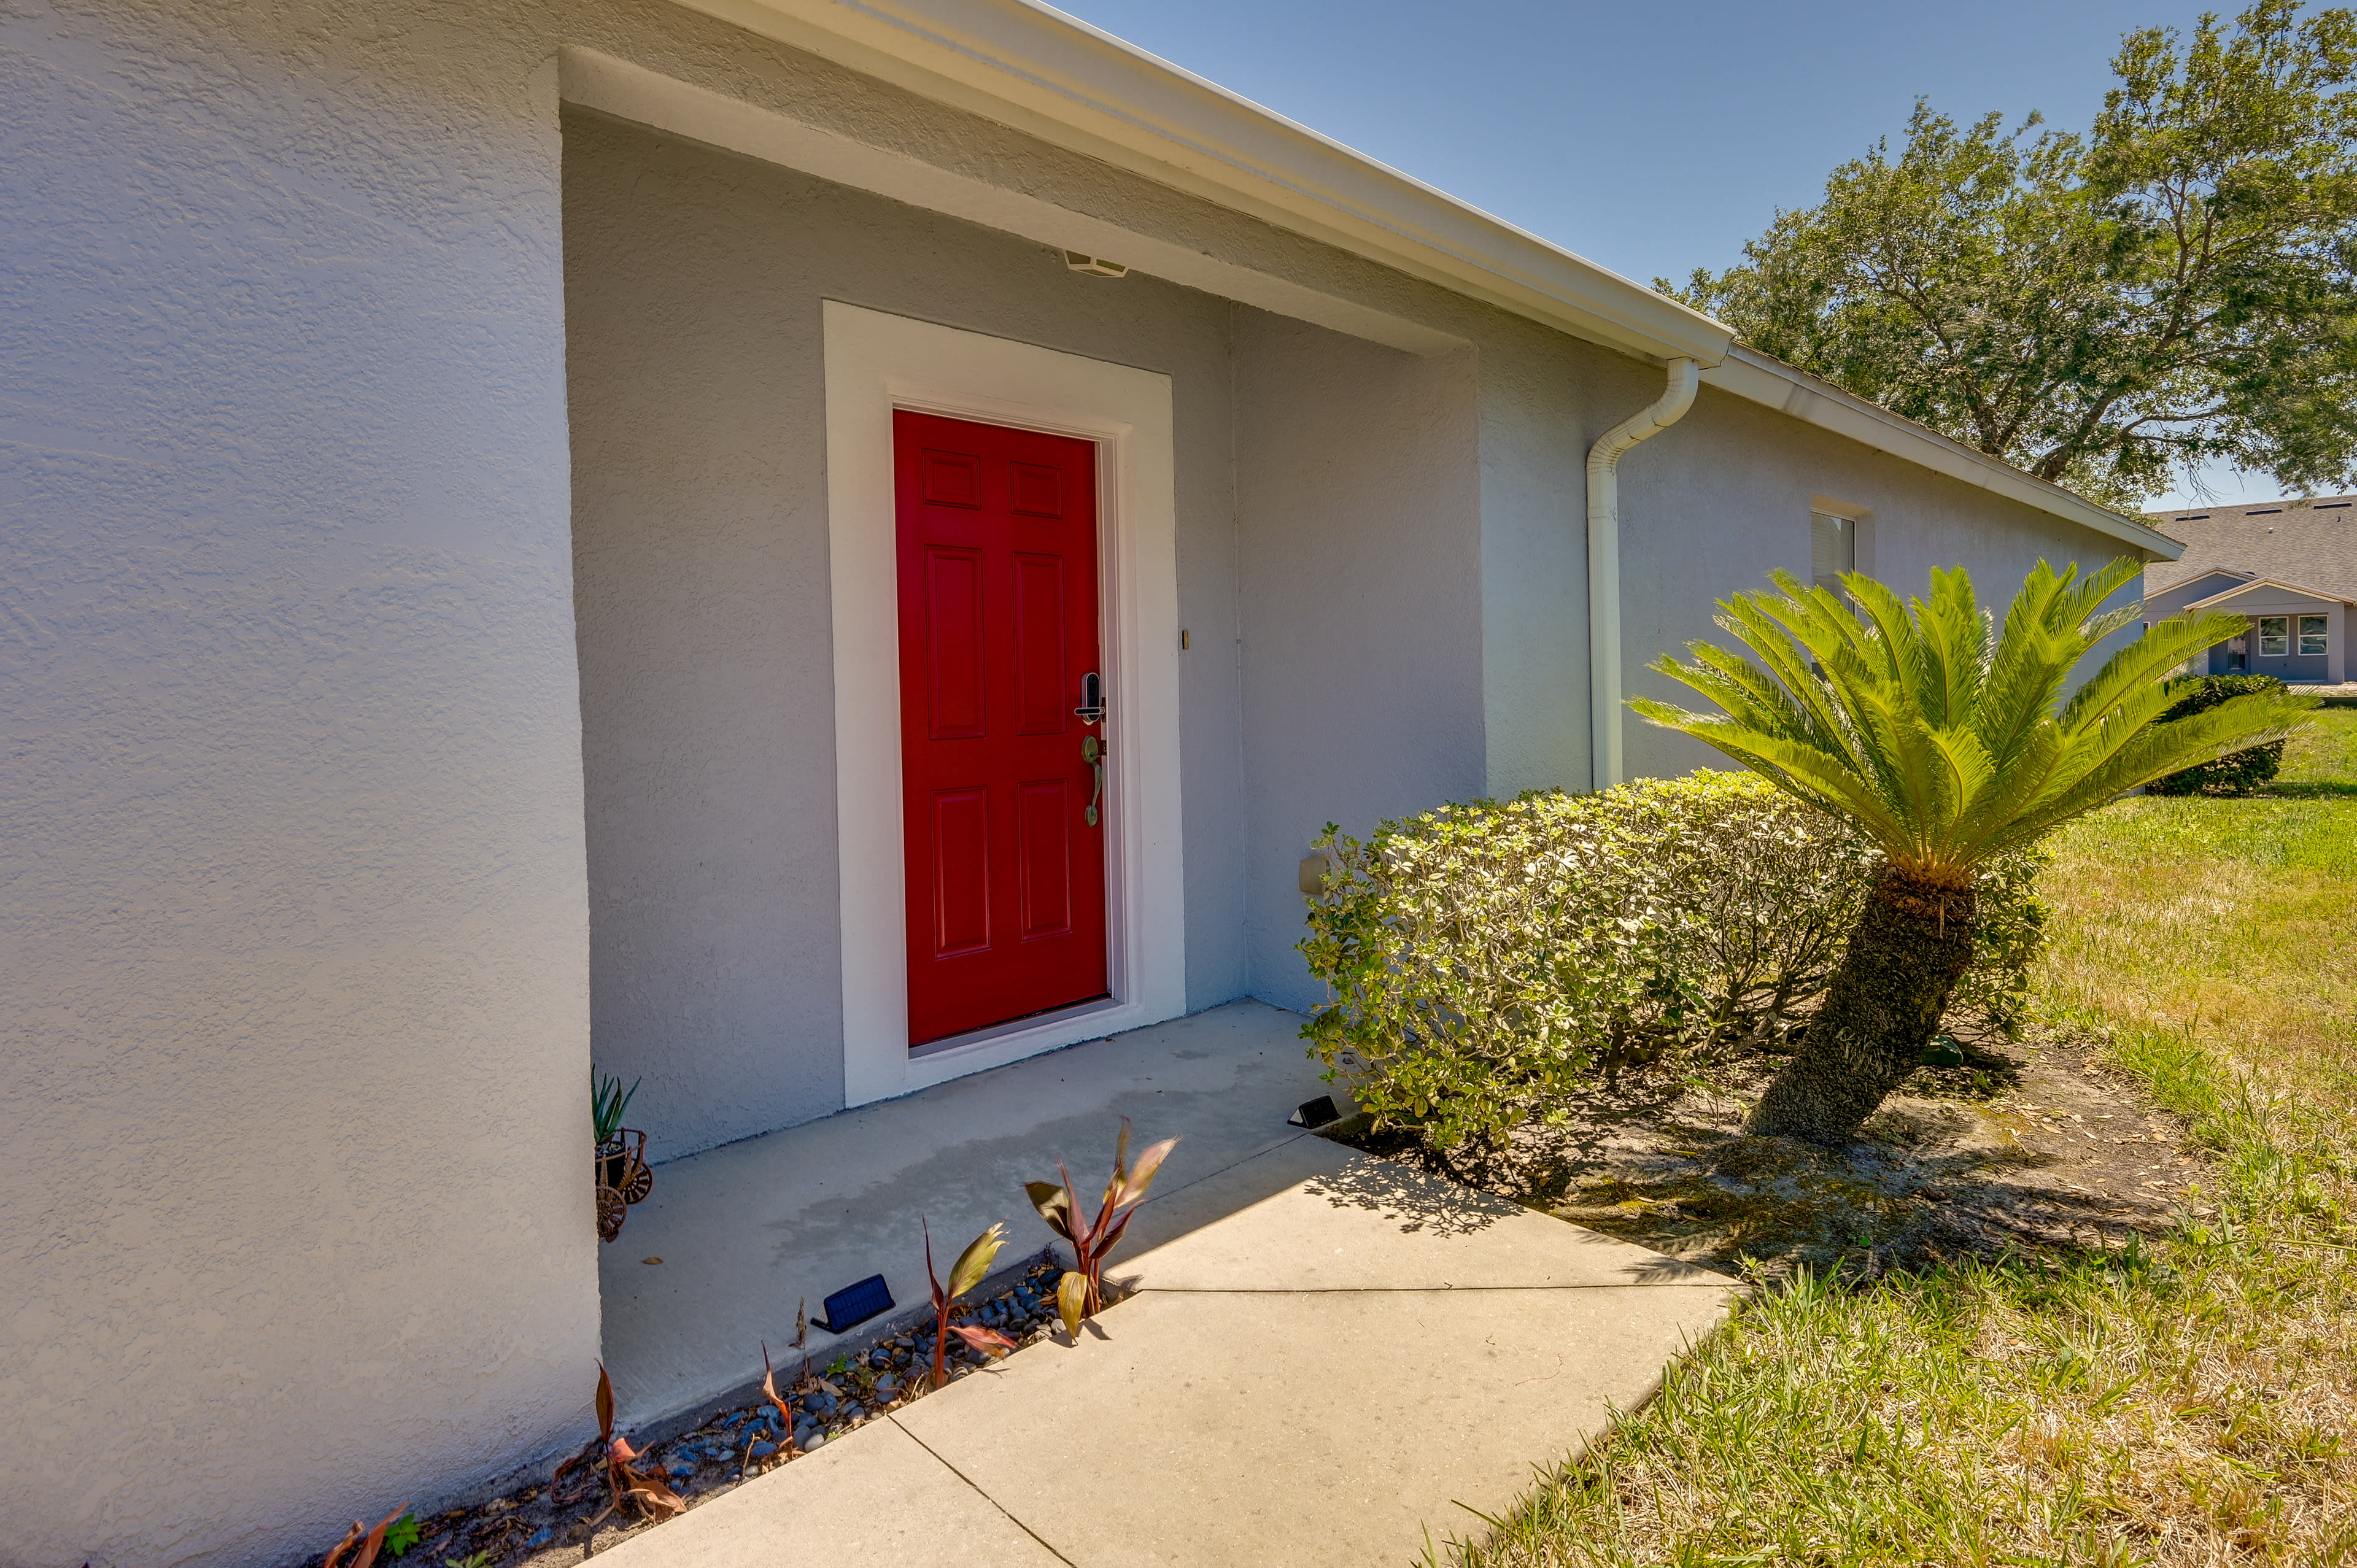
(1091,710)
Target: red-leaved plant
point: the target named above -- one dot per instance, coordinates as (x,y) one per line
(785,1417)
(653,1496)
(1081,1293)
(370,1541)
(965,1275)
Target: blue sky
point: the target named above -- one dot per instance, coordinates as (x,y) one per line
(1652,139)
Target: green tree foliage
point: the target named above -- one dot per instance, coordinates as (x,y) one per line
(2176,285)
(2237,772)
(1947,740)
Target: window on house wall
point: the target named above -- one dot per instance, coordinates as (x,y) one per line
(1833,548)
(2312,634)
(2274,635)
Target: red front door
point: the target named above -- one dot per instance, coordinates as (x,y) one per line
(998,629)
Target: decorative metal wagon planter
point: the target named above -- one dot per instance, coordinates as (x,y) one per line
(624,1178)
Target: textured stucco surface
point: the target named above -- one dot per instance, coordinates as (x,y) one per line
(1357,478)
(299,917)
(291,876)
(1724,496)
(693,281)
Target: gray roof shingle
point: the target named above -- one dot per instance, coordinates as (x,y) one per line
(2312,543)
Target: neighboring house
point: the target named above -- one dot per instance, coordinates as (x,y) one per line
(552,529)
(2288,567)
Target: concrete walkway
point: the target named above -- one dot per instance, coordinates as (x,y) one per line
(1326,1355)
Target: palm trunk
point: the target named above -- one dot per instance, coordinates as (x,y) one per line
(1912,942)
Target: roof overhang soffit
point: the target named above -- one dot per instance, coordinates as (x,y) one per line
(1056,78)
(1059,78)
(631,91)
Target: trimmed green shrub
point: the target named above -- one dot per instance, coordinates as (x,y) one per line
(1491,961)
(2237,772)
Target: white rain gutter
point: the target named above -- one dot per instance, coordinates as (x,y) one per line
(1605,752)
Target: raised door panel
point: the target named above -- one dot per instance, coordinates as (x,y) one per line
(1044,848)
(1043,676)
(957,703)
(1036,489)
(961,872)
(952,478)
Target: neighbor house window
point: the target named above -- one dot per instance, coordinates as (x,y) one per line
(1833,548)
(2312,634)
(2274,635)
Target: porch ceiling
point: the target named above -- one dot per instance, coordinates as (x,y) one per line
(1054,76)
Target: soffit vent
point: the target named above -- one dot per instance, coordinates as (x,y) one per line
(1096,266)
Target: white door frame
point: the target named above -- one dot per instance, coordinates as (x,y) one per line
(876,364)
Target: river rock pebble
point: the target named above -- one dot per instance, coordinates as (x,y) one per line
(744,1443)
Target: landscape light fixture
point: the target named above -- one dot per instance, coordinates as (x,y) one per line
(854,1305)
(1314,1113)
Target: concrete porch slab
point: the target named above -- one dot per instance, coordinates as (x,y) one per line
(749,1231)
(1327,1359)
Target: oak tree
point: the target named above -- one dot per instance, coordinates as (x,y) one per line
(2176,285)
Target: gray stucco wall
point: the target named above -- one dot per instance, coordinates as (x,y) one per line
(1359,509)
(1715,502)
(292,943)
(693,283)
(1709,506)
(2177,596)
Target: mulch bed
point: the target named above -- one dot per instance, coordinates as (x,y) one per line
(2030,1145)
(542,1525)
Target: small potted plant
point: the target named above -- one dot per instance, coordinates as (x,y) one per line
(623,1176)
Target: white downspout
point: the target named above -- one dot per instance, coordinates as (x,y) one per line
(1604,748)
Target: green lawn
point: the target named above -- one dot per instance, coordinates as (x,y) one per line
(2192,1403)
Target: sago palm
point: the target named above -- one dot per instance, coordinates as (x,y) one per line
(1946,739)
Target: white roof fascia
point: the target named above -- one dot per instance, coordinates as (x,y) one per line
(1056,77)
(1751,374)
(2319,594)
(1035,68)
